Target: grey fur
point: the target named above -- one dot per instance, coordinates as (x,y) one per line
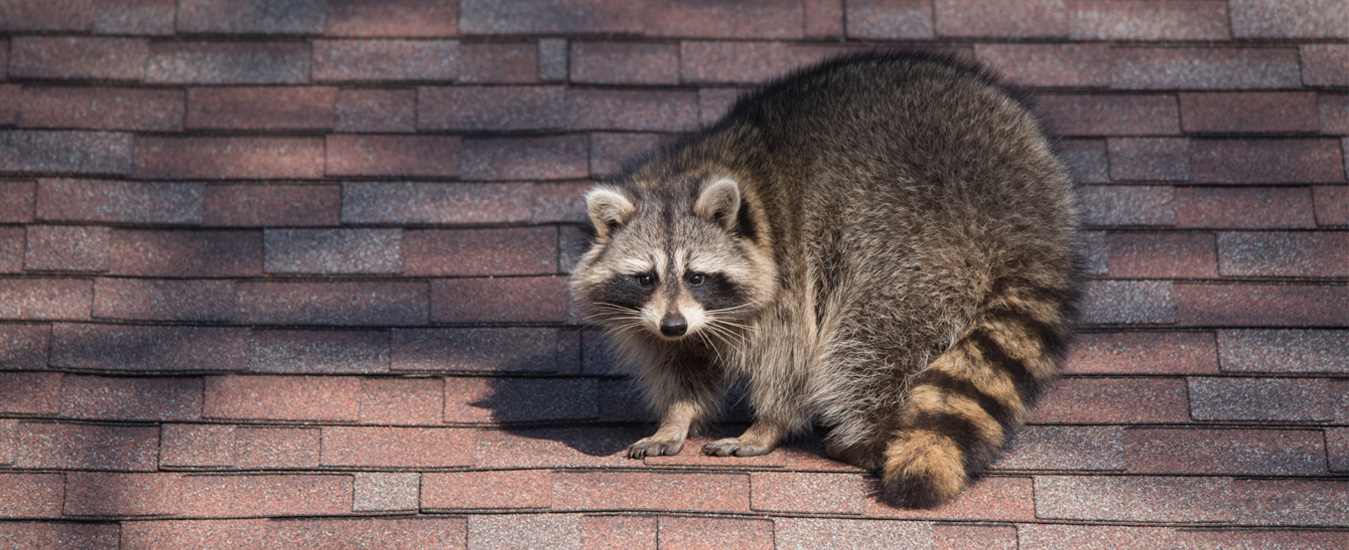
(900,266)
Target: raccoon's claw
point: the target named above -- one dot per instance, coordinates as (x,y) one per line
(655,447)
(733,446)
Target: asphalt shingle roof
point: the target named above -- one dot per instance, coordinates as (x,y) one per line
(292,274)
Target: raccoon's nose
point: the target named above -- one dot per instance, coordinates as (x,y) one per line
(673,325)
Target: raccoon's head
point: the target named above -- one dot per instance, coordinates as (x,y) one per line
(675,261)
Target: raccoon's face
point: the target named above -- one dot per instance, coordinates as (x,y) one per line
(673,265)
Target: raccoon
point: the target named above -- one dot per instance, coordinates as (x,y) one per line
(882,245)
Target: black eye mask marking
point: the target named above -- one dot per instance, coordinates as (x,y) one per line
(716,291)
(624,291)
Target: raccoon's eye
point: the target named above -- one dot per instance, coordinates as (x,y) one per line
(645,279)
(697,279)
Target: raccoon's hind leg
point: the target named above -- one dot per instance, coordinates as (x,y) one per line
(964,405)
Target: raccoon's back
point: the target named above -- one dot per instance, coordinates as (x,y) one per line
(911,130)
(909,166)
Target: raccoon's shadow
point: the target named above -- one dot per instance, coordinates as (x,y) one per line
(596,413)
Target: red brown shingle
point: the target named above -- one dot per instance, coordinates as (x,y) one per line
(306,398)
(119,494)
(101,108)
(1148,20)
(333,303)
(624,63)
(1002,18)
(78,58)
(1283,351)
(392,18)
(434,203)
(333,251)
(86,446)
(57,15)
(135,17)
(1171,255)
(1267,161)
(66,152)
(237,205)
(511,489)
(1244,207)
(1289,19)
(24,346)
(402,401)
(695,533)
(31,496)
(746,19)
(66,248)
(1261,112)
(652,111)
(228,158)
(791,492)
(167,253)
(397,447)
(1142,353)
(887,19)
(1149,159)
(1067,65)
(108,201)
(1205,68)
(652,491)
(319,352)
(514,251)
(381,155)
(119,398)
(1226,452)
(385,60)
(165,300)
(373,110)
(540,158)
(1113,401)
(514,299)
(228,63)
(1291,501)
(1256,399)
(123,348)
(248,17)
(1111,115)
(542,17)
(1135,498)
(260,108)
(490,108)
(46,299)
(499,63)
(17,199)
(252,495)
(30,393)
(803,533)
(1236,305)
(1324,64)
(507,400)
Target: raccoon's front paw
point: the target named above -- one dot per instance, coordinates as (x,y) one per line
(650,446)
(734,446)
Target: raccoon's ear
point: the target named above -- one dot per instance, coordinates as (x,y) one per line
(719,202)
(609,209)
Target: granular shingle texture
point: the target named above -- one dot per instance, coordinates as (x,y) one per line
(292,274)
